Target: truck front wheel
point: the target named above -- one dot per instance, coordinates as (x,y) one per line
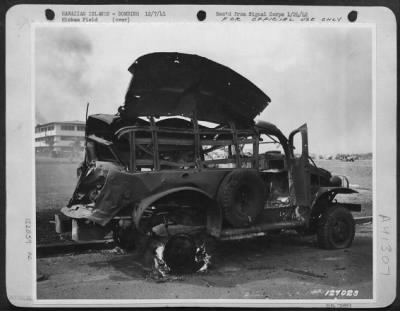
(336,228)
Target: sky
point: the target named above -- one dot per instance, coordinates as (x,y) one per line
(319,75)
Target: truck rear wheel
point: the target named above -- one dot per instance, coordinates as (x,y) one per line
(336,228)
(242,196)
(179,253)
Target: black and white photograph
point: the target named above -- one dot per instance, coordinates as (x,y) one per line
(225,161)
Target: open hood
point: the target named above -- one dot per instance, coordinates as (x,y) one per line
(166,84)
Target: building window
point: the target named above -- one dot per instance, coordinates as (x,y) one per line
(67,127)
(73,138)
(50,128)
(46,139)
(49,139)
(81,128)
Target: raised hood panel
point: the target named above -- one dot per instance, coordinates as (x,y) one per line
(183,84)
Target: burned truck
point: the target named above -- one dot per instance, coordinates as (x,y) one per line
(184,154)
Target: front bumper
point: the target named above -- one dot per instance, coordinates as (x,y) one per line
(74,220)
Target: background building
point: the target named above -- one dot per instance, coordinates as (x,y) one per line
(60,138)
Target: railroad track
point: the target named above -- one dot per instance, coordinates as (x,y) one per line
(51,249)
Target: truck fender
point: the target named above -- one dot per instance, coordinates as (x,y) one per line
(325,196)
(214,214)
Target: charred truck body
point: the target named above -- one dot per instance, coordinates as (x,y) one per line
(185,152)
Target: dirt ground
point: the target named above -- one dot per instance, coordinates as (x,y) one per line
(284,266)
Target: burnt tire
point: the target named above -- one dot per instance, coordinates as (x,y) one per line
(336,228)
(242,196)
(179,253)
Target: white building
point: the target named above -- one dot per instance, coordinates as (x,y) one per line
(60,137)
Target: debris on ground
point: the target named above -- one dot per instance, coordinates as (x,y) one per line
(41,277)
(306,273)
(159,264)
(161,272)
(116,250)
(202,258)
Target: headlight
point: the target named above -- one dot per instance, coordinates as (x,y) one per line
(335,181)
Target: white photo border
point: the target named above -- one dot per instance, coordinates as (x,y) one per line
(21,21)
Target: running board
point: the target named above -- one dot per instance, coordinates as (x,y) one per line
(257,230)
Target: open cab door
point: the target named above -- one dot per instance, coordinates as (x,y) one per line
(299,170)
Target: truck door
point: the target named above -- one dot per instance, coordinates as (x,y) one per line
(299,169)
